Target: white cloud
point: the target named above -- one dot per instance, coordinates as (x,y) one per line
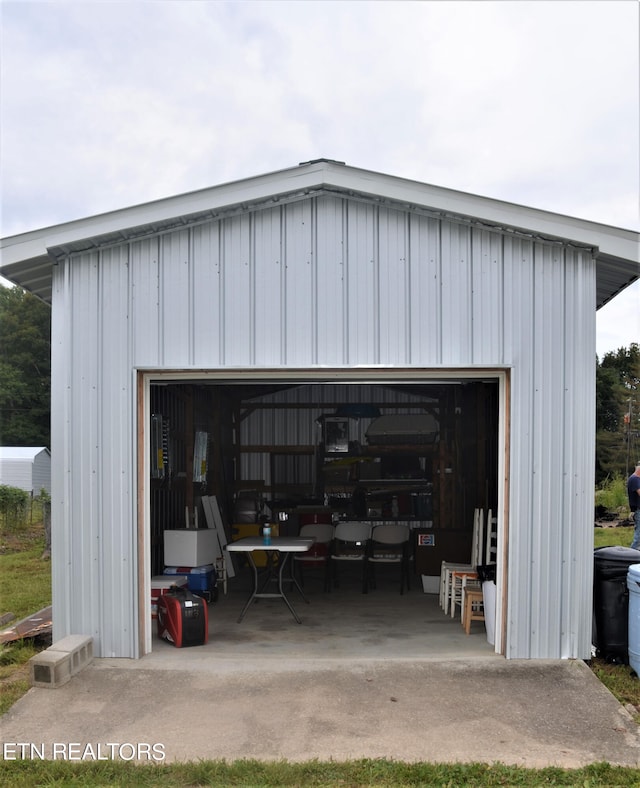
(618,322)
(108,104)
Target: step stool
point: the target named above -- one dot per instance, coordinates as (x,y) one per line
(473,608)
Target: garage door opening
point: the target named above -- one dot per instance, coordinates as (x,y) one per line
(425,453)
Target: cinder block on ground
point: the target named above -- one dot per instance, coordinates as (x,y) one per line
(80,647)
(50,669)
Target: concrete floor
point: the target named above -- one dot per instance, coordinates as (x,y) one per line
(342,624)
(377,675)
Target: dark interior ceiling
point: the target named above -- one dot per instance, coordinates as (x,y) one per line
(243,392)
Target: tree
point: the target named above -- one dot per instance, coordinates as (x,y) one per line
(617,412)
(25,369)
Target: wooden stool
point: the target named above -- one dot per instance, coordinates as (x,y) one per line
(460,581)
(473,608)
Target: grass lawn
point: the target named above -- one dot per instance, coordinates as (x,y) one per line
(20,560)
(610,537)
(33,592)
(379,773)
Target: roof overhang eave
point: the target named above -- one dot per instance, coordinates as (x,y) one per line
(33,275)
(28,258)
(613,275)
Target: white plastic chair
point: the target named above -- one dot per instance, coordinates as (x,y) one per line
(488,552)
(446,580)
(350,544)
(491,552)
(390,545)
(460,581)
(450,593)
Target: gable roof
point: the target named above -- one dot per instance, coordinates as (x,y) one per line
(21,452)
(27,259)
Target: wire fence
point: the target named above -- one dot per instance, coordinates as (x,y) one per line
(20,510)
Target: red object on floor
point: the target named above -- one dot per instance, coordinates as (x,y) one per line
(183,618)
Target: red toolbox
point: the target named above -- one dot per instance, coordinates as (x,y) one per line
(183,618)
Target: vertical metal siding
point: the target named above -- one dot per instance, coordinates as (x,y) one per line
(174,299)
(85,568)
(145,316)
(486,296)
(30,474)
(456,297)
(42,472)
(423,299)
(317,283)
(394,311)
(329,282)
(62,526)
(268,282)
(362,296)
(579,451)
(94,571)
(550,340)
(548,417)
(115,455)
(238,302)
(300,308)
(518,333)
(205,278)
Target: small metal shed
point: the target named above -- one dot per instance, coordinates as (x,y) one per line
(26,467)
(338,279)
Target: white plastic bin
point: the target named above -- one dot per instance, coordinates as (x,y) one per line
(489,602)
(431,584)
(633,584)
(190,547)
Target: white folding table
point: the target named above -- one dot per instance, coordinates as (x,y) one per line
(283,545)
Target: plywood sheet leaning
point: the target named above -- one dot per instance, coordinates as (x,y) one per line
(222,535)
(214,520)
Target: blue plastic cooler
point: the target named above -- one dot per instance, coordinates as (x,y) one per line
(201,580)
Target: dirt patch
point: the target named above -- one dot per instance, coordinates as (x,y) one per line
(15,673)
(625,522)
(19,539)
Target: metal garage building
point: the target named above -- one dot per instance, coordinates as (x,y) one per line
(347,284)
(26,467)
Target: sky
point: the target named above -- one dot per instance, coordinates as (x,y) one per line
(105,105)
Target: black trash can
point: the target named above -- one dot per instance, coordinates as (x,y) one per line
(611,602)
(487,572)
